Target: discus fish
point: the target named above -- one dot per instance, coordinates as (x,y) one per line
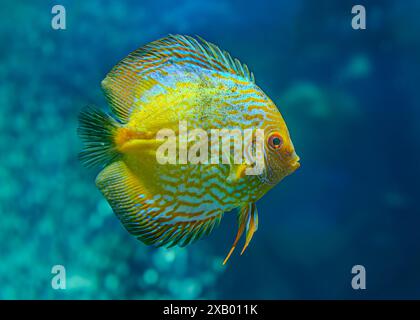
(181,78)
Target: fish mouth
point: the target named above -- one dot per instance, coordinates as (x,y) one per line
(295,164)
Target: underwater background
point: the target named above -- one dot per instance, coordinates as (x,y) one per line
(350,99)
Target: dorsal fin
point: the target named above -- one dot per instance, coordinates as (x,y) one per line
(121,82)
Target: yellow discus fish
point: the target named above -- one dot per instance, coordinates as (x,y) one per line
(175,79)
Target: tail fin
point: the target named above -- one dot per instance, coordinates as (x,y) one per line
(97,130)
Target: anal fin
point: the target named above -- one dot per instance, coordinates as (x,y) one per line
(147,217)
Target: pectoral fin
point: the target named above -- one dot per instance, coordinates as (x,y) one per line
(236,172)
(247,220)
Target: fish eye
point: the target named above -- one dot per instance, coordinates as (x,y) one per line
(275,141)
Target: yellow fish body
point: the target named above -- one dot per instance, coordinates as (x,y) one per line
(174,80)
